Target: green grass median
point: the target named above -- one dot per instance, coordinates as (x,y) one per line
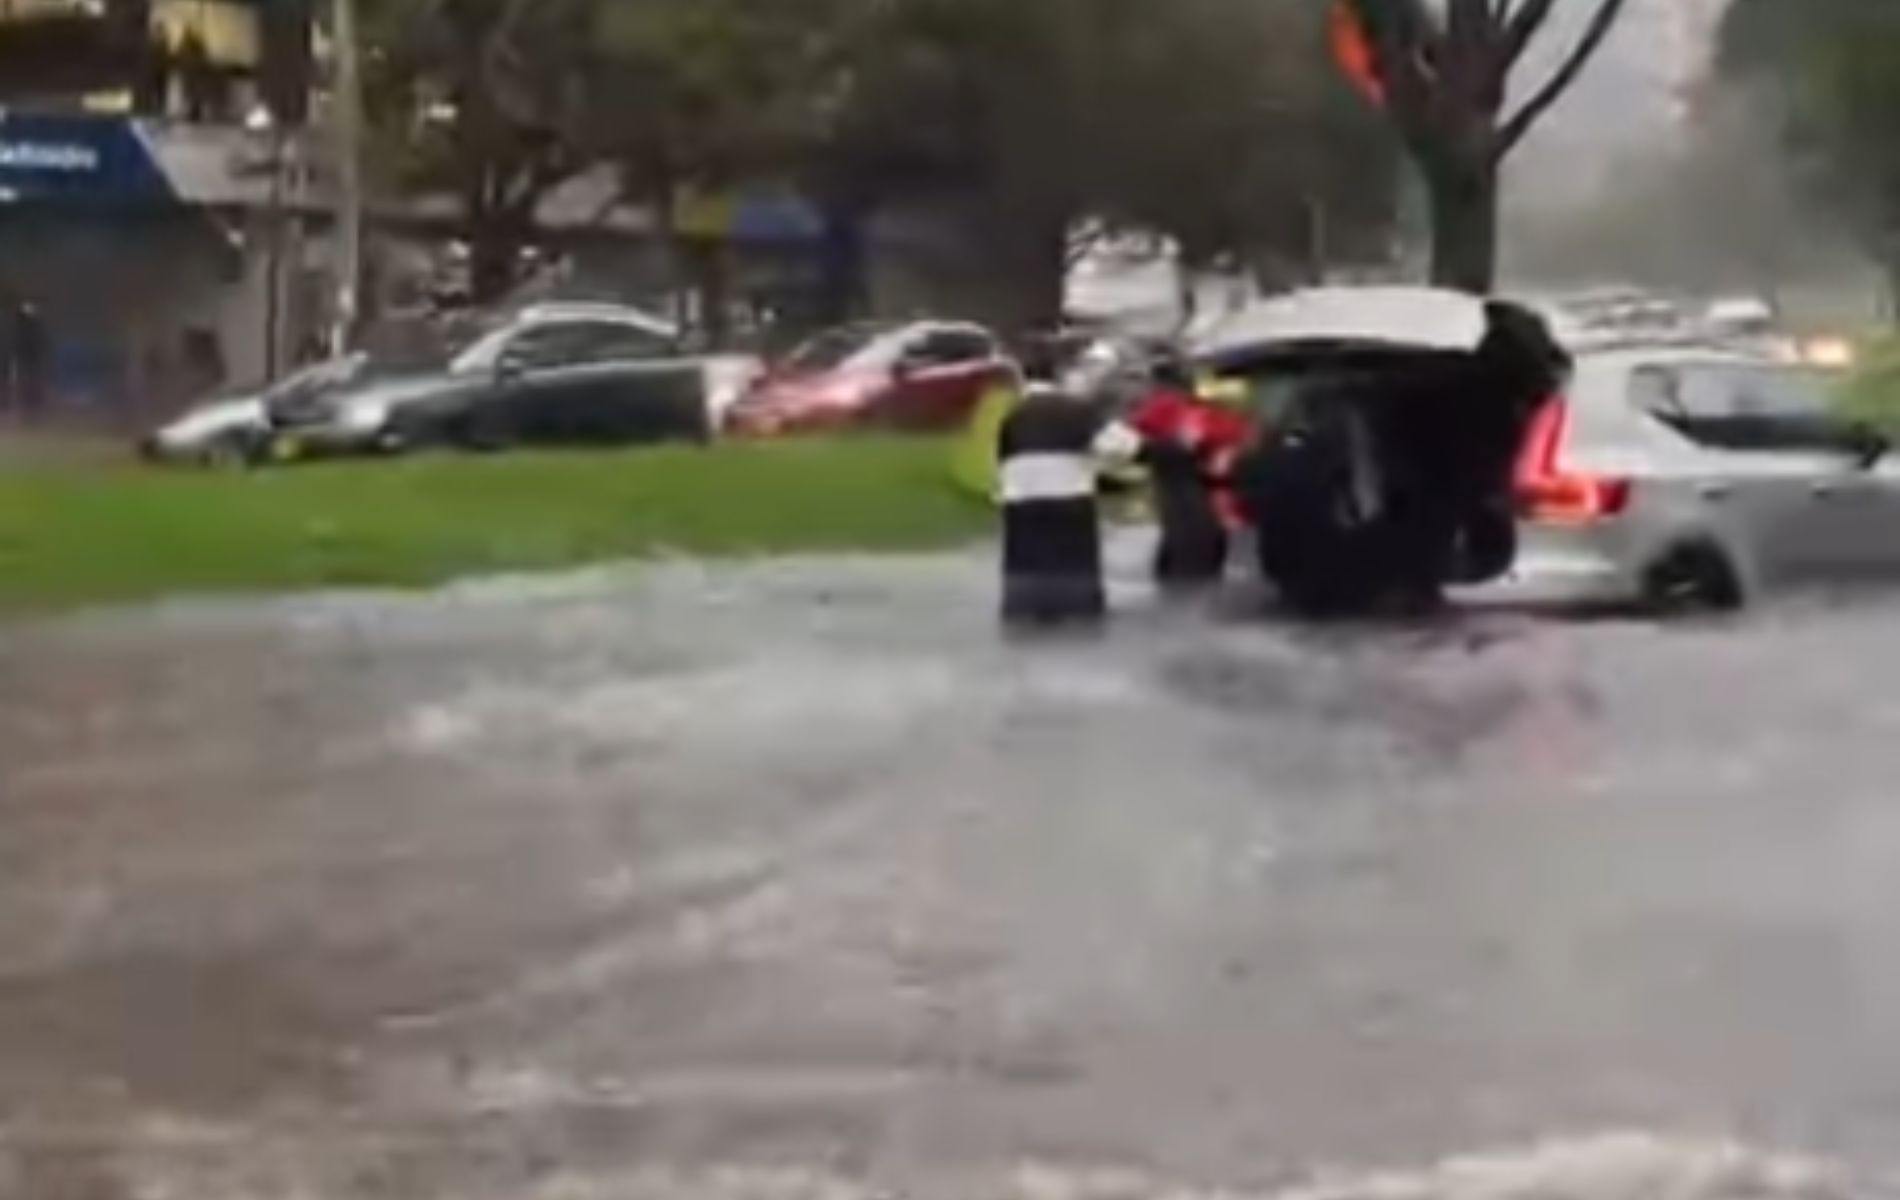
(80,532)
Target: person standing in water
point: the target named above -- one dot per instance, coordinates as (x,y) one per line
(1189,441)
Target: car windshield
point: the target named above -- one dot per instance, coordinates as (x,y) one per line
(856,345)
(324,376)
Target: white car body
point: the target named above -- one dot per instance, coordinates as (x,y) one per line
(220,431)
(1769,517)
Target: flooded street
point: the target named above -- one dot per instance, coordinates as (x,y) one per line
(797,880)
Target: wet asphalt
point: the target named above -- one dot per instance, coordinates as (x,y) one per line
(796,880)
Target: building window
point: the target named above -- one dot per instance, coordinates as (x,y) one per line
(227,31)
(40,10)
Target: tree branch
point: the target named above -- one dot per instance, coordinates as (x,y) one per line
(1522,24)
(1512,132)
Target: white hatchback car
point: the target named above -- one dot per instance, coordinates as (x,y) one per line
(1685,477)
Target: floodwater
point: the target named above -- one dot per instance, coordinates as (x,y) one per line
(796,880)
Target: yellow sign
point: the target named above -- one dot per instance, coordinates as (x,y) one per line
(699,214)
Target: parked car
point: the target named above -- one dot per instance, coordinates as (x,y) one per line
(1686,477)
(926,375)
(229,431)
(234,429)
(551,374)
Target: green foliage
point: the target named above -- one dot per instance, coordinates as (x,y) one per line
(1217,121)
(478,98)
(1227,127)
(1829,72)
(1872,393)
(90,532)
(1220,123)
(703,94)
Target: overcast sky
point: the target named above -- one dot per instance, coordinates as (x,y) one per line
(1623,104)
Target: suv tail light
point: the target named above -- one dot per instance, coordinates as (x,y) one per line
(1546,492)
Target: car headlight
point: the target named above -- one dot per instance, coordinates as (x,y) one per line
(365,418)
(1831,352)
(728,382)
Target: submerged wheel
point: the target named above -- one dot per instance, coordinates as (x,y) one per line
(1691,580)
(1486,547)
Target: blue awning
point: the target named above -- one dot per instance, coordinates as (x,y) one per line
(78,159)
(776,217)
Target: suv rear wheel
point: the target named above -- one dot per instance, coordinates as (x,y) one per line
(1486,546)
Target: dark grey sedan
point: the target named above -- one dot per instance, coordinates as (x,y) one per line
(550,375)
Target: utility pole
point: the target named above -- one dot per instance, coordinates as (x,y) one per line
(277,234)
(347,102)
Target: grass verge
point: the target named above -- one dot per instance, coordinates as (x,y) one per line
(77,532)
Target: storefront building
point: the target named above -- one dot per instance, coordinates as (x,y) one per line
(159,230)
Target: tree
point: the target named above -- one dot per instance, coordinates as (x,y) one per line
(1214,122)
(1269,158)
(478,98)
(1826,73)
(1444,72)
(498,101)
(709,98)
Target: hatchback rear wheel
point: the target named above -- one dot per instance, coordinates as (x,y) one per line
(1691,580)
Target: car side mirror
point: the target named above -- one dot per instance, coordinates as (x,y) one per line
(904,368)
(510,366)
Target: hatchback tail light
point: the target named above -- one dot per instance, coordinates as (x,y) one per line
(1548,493)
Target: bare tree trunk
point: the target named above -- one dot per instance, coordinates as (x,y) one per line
(843,287)
(1464,202)
(1446,80)
(1040,274)
(710,269)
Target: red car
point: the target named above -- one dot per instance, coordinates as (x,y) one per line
(924,376)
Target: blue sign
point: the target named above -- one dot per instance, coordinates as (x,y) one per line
(776,217)
(79,159)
